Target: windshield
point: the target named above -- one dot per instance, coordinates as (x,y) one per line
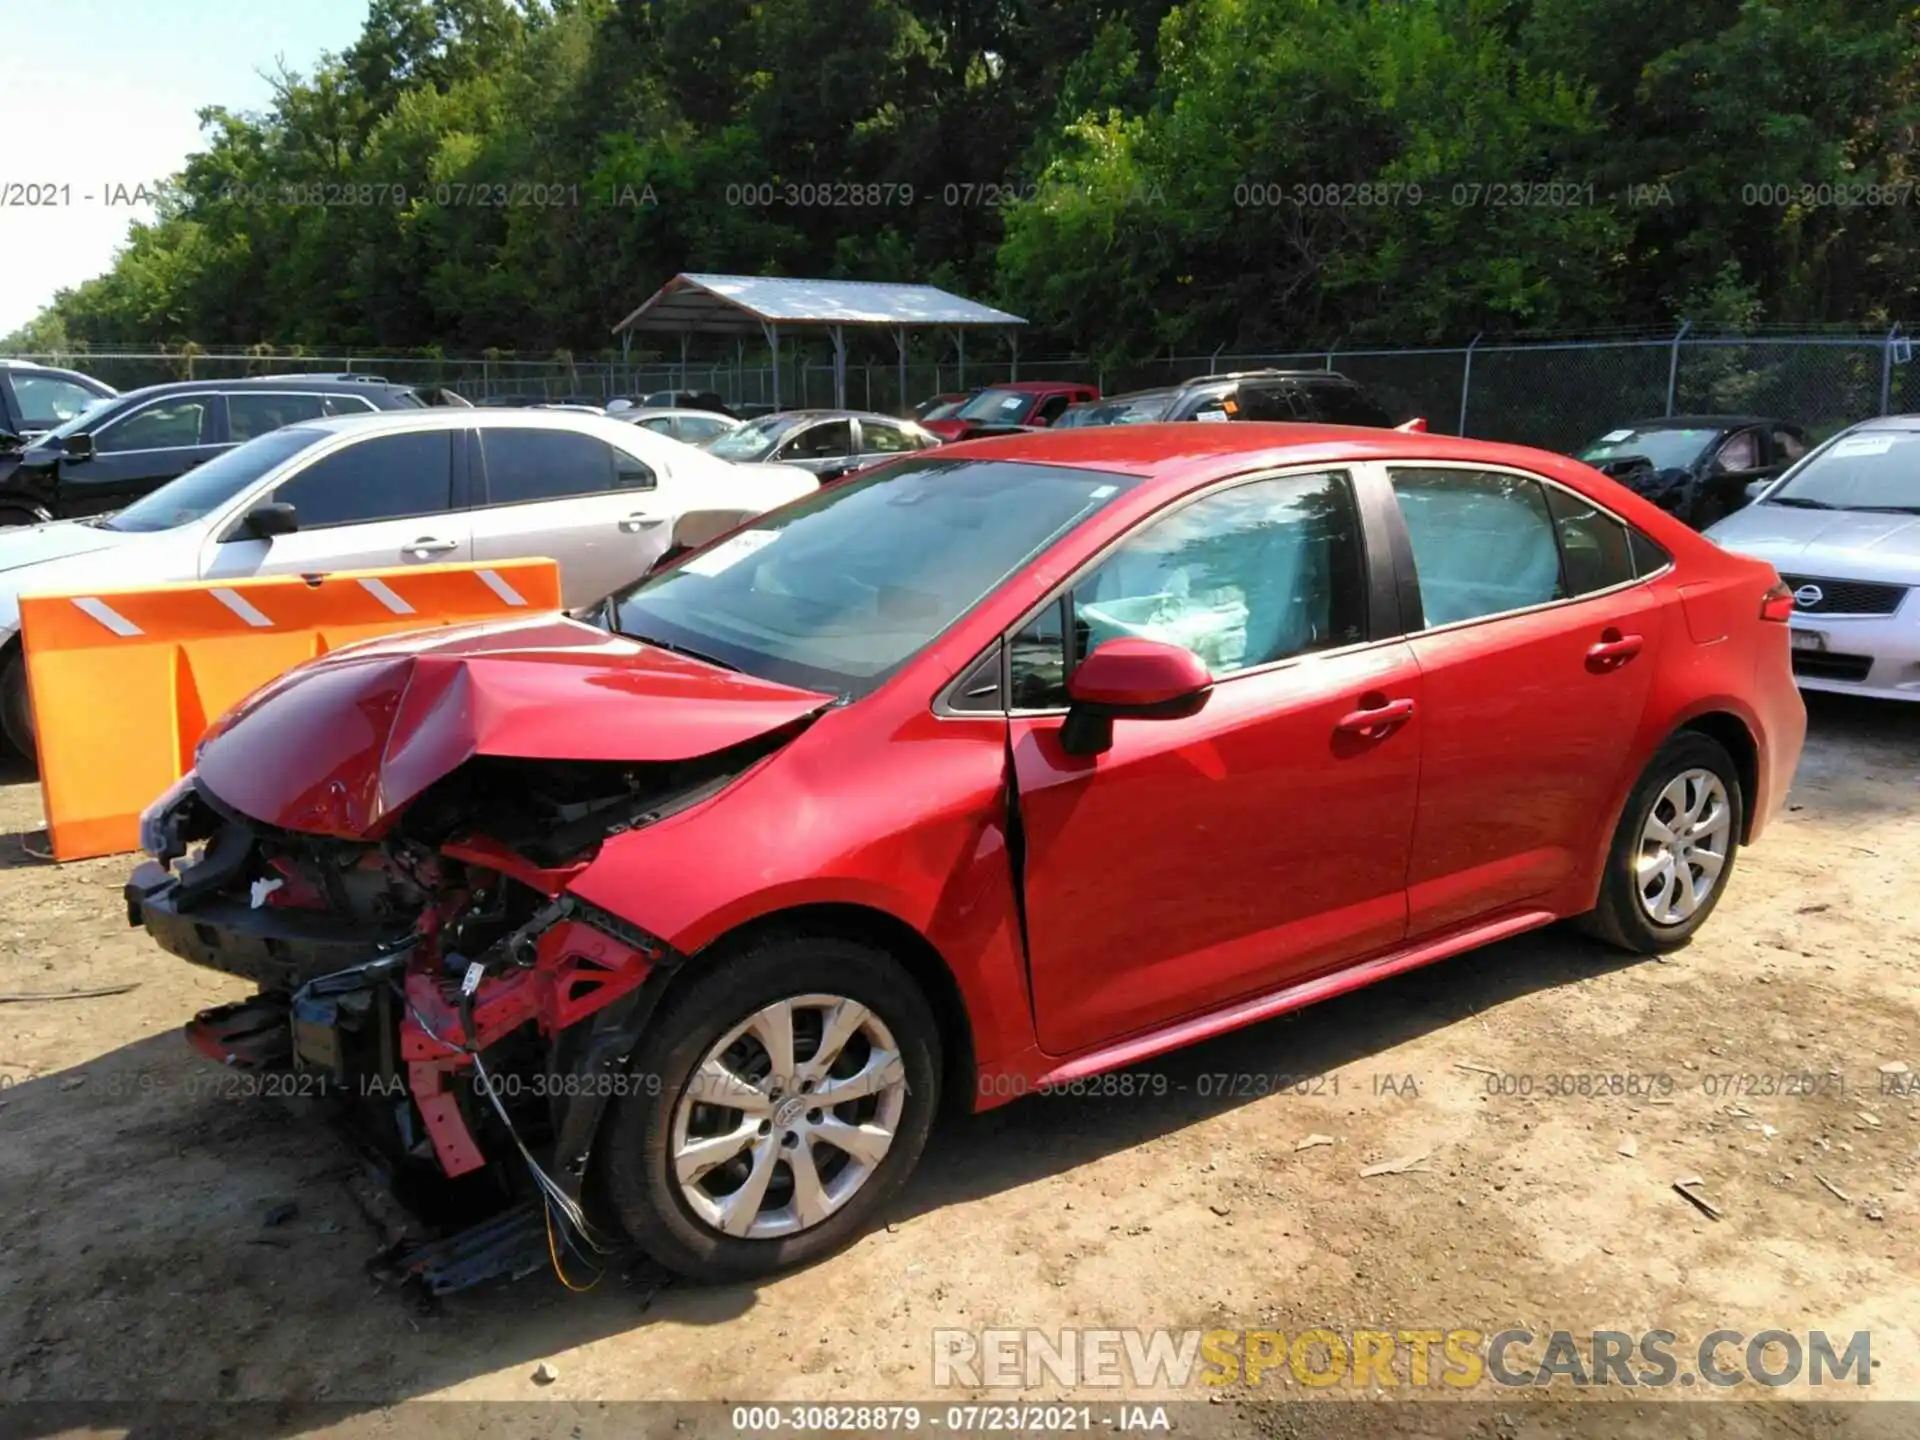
(752,441)
(1120,410)
(182,501)
(83,421)
(837,590)
(1667,449)
(1867,470)
(1005,407)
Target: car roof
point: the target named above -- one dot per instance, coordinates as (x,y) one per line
(1178,453)
(450,418)
(321,384)
(1697,422)
(1032,385)
(828,415)
(1889,422)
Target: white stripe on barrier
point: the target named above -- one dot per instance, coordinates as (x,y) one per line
(108,616)
(501,588)
(380,591)
(244,608)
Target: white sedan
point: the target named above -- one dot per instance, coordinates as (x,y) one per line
(401,487)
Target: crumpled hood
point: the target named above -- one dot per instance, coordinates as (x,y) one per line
(340,745)
(1845,544)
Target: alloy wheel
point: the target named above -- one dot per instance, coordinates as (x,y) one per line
(1683,846)
(787,1116)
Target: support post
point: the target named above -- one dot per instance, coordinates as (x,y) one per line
(1886,370)
(1013,343)
(683,361)
(839,334)
(1466,384)
(773,347)
(900,344)
(961,336)
(1673,363)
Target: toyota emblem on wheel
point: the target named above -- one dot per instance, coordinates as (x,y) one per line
(1808,596)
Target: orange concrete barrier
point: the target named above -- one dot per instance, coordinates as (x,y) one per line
(123,683)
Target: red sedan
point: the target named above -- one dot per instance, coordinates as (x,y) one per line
(993,768)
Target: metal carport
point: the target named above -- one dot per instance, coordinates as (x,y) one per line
(692,304)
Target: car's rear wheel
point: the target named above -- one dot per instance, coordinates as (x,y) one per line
(1674,848)
(796,1084)
(16,713)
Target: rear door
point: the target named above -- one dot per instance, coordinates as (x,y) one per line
(378,502)
(596,508)
(140,451)
(880,441)
(1537,646)
(1256,843)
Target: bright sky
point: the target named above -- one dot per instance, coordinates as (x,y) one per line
(102,94)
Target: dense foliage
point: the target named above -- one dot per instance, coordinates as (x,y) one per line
(1131,175)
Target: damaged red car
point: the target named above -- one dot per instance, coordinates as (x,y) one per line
(985,772)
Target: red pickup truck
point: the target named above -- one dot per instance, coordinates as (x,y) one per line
(1015,405)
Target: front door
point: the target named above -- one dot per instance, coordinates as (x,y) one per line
(139,452)
(374,504)
(1253,844)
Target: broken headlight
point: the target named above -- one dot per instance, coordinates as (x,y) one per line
(163,824)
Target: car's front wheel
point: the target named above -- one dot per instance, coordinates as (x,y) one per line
(790,1089)
(1673,849)
(16,712)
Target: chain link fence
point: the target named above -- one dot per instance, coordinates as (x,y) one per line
(1552,394)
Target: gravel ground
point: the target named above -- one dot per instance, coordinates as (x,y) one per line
(140,1266)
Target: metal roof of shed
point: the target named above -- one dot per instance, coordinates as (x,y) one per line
(743,304)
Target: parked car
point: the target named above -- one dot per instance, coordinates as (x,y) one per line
(968,777)
(133,444)
(685,400)
(409,486)
(1698,467)
(693,427)
(1843,528)
(1325,396)
(830,443)
(36,398)
(1016,405)
(939,407)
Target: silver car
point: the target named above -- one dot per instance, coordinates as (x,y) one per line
(400,487)
(1843,529)
(694,427)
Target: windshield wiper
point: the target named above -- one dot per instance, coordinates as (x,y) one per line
(1888,509)
(1800,502)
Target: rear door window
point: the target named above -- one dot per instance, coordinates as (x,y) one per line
(1484,542)
(539,464)
(1595,548)
(255,412)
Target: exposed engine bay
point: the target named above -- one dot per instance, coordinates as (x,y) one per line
(468,1019)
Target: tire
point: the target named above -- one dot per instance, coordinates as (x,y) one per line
(1664,916)
(679,1225)
(16,714)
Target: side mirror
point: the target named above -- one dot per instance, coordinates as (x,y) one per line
(274,517)
(78,446)
(1130,679)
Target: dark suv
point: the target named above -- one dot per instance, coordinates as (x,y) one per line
(35,398)
(1325,396)
(121,449)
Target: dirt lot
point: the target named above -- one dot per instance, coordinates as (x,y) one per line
(138,1266)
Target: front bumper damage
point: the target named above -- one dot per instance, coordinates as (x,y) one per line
(471,1049)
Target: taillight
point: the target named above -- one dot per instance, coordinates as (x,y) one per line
(1777,604)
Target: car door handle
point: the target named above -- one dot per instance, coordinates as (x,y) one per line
(641,522)
(427,545)
(1374,721)
(1613,650)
